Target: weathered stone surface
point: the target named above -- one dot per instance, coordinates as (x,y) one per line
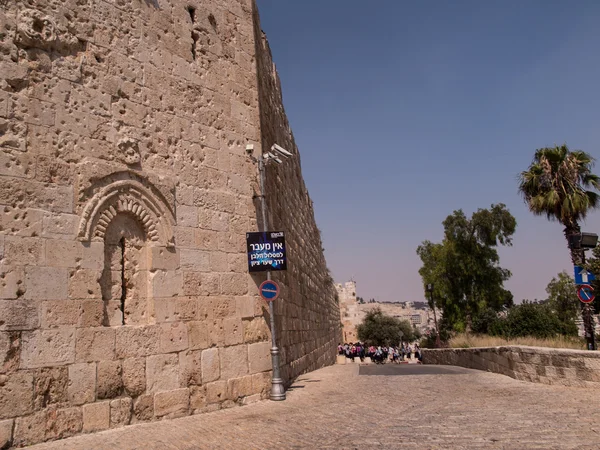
(46,283)
(134,376)
(239,387)
(162,373)
(16,394)
(259,357)
(143,407)
(50,386)
(95,344)
(48,347)
(96,416)
(6,431)
(216,392)
(82,383)
(137,341)
(120,412)
(190,367)
(109,379)
(256,330)
(210,363)
(30,429)
(234,361)
(173,337)
(63,423)
(173,403)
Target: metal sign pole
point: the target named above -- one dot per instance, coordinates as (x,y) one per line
(277,390)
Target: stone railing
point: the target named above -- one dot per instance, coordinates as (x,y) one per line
(536,364)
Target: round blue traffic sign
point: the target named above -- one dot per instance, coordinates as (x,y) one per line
(269,290)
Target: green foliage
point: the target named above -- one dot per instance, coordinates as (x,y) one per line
(485,322)
(378,328)
(563,301)
(464,267)
(560,184)
(532,319)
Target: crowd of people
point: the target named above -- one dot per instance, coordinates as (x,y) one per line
(380,354)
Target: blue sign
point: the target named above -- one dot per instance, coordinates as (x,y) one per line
(266,251)
(269,290)
(582,276)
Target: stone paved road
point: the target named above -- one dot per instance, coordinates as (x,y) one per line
(335,408)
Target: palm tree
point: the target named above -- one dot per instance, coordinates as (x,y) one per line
(557,184)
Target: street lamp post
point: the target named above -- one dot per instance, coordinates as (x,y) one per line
(277,389)
(438,343)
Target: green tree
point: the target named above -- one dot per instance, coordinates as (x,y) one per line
(464,267)
(378,328)
(531,319)
(563,301)
(559,184)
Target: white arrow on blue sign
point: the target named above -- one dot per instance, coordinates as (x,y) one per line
(582,276)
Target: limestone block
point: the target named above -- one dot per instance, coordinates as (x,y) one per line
(63,423)
(134,376)
(48,347)
(234,333)
(92,255)
(163,258)
(234,361)
(197,398)
(210,363)
(173,403)
(244,307)
(18,315)
(173,337)
(60,226)
(222,307)
(199,283)
(36,195)
(16,394)
(216,392)
(95,344)
(10,344)
(120,412)
(187,216)
(218,262)
(234,284)
(84,284)
(259,357)
(256,330)
(261,382)
(46,283)
(190,368)
(162,373)
(185,237)
(109,379)
(216,332)
(143,408)
(137,341)
(61,253)
(239,387)
(237,262)
(198,335)
(57,313)
(82,383)
(166,283)
(23,251)
(6,431)
(195,260)
(92,313)
(96,416)
(11,281)
(29,430)
(50,386)
(206,239)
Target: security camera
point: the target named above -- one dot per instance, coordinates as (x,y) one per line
(280,150)
(249,149)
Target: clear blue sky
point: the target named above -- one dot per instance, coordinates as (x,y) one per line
(404,111)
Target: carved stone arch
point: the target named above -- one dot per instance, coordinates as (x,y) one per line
(127,197)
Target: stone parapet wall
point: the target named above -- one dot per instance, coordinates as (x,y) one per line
(125,198)
(536,364)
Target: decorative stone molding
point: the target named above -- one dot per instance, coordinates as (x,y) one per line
(129,151)
(127,197)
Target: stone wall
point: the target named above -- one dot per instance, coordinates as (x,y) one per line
(310,319)
(125,196)
(536,364)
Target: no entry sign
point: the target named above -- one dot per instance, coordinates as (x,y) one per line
(269,290)
(585,292)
